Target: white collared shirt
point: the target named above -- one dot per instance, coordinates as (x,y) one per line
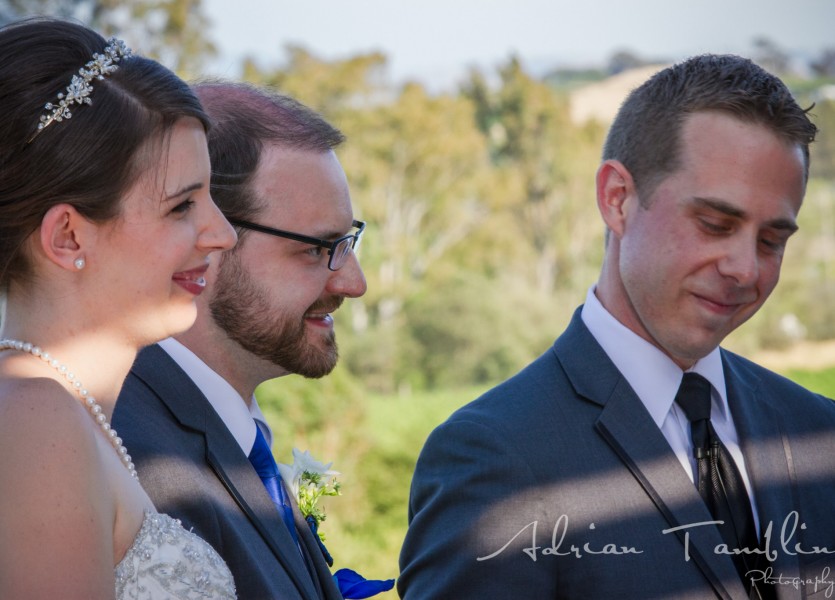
(239,418)
(655,378)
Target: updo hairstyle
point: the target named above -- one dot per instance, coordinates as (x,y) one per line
(89,160)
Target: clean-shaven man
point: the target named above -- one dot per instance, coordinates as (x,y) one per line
(636,458)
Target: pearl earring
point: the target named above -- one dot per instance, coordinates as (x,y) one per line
(79,263)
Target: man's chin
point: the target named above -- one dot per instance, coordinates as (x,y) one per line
(686,355)
(318,361)
(319,328)
(316,371)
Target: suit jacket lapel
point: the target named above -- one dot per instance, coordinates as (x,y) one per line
(765,449)
(246,488)
(322,576)
(188,405)
(627,426)
(646,453)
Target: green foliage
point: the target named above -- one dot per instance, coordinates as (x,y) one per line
(171,31)
(486,333)
(821,382)
(373,441)
(312,487)
(180,41)
(313,413)
(376,456)
(483,229)
(330,87)
(823,150)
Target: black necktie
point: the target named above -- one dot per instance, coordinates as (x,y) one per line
(719,482)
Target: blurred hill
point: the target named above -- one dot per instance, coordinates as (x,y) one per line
(599,101)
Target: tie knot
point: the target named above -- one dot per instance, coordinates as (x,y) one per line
(261,456)
(694,397)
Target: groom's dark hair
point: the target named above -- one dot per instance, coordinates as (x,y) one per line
(646,133)
(245,119)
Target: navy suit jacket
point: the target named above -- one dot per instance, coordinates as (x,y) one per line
(194,470)
(558,484)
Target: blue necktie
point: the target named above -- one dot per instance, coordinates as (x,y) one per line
(262,459)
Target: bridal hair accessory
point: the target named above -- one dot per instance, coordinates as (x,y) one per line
(90,402)
(80,87)
(79,263)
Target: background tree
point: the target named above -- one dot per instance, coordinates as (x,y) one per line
(770,56)
(545,164)
(823,150)
(824,65)
(333,87)
(171,31)
(624,60)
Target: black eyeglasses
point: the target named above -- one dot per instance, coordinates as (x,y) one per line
(338,250)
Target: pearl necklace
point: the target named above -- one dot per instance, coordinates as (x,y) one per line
(90,402)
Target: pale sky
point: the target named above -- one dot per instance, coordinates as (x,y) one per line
(435,38)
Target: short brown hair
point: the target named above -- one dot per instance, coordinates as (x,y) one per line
(645,135)
(244,119)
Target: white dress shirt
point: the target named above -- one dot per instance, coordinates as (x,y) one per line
(655,378)
(239,418)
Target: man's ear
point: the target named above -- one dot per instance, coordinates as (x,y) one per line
(614,187)
(64,235)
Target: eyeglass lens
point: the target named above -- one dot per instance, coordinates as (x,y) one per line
(340,253)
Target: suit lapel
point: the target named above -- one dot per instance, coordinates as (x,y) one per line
(325,584)
(628,428)
(246,488)
(767,458)
(188,405)
(646,453)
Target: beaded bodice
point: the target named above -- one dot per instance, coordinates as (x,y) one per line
(167,562)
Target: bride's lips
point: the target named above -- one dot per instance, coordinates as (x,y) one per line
(193,280)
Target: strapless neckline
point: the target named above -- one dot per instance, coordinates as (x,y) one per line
(166,561)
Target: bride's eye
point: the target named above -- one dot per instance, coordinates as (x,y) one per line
(183,207)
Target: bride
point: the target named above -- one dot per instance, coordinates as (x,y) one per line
(106,229)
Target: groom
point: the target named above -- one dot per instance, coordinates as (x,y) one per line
(636,458)
(187,410)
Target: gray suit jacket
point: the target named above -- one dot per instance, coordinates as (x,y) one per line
(558,484)
(194,470)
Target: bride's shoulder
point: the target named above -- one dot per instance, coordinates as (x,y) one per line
(43,428)
(57,507)
(39,403)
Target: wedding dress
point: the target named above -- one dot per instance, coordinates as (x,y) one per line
(167,562)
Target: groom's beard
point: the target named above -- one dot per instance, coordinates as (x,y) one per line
(244,312)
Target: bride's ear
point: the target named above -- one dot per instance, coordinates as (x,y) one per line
(65,236)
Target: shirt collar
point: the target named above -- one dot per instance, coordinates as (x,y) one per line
(239,418)
(653,376)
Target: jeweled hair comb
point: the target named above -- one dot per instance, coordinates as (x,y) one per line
(80,88)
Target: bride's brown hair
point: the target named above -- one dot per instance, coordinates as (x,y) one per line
(90,160)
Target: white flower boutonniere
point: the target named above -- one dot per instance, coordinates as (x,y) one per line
(309,480)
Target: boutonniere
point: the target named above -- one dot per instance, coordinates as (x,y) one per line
(310,480)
